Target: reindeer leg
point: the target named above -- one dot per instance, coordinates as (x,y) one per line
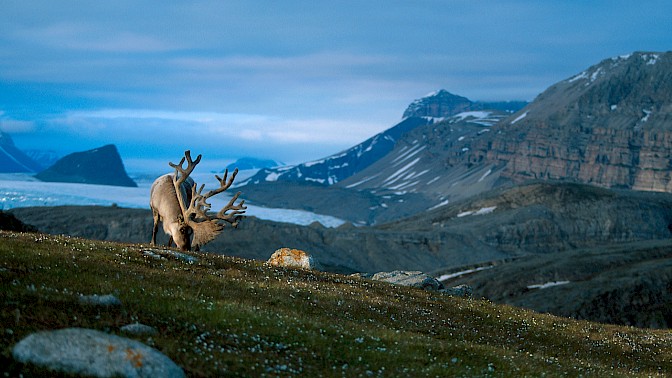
(170,242)
(156,226)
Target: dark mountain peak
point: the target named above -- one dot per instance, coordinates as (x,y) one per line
(252,163)
(13,160)
(438,104)
(102,166)
(441,104)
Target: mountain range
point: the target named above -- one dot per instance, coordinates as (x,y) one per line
(432,108)
(609,126)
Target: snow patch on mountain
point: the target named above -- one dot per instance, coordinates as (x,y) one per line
(519,118)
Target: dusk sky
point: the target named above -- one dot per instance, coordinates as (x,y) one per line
(287,80)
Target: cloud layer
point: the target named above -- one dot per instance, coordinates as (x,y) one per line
(289,80)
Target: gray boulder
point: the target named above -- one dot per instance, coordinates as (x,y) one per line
(93,353)
(409,278)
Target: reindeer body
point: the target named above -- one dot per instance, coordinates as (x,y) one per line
(163,200)
(184,210)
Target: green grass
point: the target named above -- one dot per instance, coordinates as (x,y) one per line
(235,317)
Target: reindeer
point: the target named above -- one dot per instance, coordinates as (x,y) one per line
(183,210)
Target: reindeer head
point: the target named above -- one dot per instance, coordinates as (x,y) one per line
(182,233)
(196,220)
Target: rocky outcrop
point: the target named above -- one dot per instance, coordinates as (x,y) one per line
(409,278)
(418,280)
(8,222)
(102,166)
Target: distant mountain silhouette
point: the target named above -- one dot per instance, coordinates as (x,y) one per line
(13,160)
(102,166)
(252,163)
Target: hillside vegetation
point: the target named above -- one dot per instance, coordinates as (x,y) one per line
(219,315)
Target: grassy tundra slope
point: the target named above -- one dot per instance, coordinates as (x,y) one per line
(221,315)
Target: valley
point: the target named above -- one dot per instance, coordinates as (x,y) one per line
(561,205)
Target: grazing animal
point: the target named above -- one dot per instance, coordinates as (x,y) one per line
(183,210)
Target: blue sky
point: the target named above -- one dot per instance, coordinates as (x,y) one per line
(286,80)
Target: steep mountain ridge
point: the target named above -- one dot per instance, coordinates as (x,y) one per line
(13,160)
(427,110)
(337,167)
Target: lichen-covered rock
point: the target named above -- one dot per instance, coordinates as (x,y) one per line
(293,258)
(409,278)
(464,291)
(89,352)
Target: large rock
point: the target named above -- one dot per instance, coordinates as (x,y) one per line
(409,278)
(88,352)
(102,166)
(293,258)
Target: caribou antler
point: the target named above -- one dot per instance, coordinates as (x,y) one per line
(181,175)
(191,164)
(237,210)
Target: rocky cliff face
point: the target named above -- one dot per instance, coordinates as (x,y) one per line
(610,125)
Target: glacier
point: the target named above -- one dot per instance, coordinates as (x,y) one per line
(22,190)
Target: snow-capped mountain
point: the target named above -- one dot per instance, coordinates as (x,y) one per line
(610,125)
(441,104)
(342,165)
(421,163)
(427,110)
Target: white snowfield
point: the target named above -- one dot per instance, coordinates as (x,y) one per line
(547,285)
(18,190)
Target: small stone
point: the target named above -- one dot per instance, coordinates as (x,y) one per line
(139,329)
(464,291)
(100,300)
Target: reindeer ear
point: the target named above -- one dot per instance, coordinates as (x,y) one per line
(204,232)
